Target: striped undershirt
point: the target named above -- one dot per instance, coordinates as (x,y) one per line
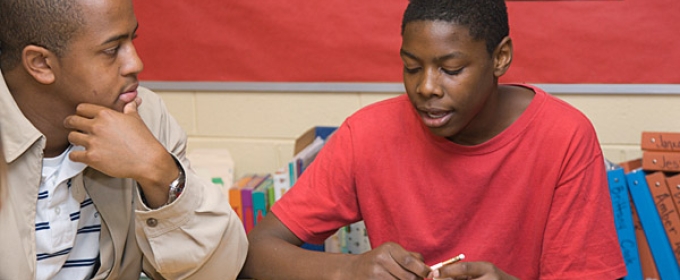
(66,230)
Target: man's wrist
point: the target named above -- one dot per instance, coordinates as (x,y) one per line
(177,185)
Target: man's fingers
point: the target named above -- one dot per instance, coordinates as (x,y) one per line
(76,122)
(89,110)
(78,138)
(78,156)
(130,108)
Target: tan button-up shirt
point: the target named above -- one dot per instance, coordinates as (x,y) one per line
(198,236)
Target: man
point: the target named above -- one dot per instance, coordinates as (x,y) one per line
(507,175)
(3,173)
(98,183)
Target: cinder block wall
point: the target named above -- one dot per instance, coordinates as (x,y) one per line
(259,128)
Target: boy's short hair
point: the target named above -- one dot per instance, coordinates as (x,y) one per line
(50,24)
(486,19)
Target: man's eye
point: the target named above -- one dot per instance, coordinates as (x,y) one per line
(112,51)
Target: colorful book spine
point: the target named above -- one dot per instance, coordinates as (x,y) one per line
(652,225)
(660,141)
(623,220)
(271,197)
(281,183)
(260,199)
(247,200)
(292,172)
(664,205)
(248,217)
(235,195)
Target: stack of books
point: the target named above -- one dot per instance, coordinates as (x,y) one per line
(649,227)
(252,195)
(248,197)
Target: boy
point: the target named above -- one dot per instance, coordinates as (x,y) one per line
(98,184)
(506,174)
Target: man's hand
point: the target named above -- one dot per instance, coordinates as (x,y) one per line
(120,145)
(388,261)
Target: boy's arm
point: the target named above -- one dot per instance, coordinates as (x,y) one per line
(274,253)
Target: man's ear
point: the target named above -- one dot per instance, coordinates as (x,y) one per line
(502,57)
(39,63)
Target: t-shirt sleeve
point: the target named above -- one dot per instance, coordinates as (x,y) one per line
(324,197)
(580,239)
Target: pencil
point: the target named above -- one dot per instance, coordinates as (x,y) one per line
(447,262)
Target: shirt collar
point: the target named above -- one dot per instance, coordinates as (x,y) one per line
(17,132)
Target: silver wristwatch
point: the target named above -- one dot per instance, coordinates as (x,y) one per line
(177,186)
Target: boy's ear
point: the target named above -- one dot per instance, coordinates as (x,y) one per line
(39,63)
(502,57)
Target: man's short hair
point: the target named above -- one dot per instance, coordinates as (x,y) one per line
(486,19)
(50,24)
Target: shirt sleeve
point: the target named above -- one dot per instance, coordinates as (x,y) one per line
(324,197)
(580,239)
(198,236)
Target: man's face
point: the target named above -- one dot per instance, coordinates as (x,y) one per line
(448,76)
(101,64)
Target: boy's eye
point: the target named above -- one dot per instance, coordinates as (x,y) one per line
(411,70)
(452,72)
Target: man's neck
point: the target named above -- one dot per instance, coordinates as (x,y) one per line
(34,102)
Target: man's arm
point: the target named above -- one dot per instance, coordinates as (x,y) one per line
(274,253)
(196,236)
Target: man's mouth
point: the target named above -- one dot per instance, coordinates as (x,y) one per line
(129,94)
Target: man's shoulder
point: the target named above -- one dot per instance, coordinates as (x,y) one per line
(152,104)
(152,110)
(146,93)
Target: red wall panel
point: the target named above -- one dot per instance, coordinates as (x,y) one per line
(628,41)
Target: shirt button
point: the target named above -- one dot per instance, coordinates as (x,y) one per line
(151,222)
(57,210)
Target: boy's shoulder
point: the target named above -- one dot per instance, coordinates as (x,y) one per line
(389,105)
(391,114)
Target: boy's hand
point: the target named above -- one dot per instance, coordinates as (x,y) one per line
(471,270)
(388,261)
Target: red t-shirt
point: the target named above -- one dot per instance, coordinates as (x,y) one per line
(533,200)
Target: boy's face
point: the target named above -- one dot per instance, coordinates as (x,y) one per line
(448,76)
(100,65)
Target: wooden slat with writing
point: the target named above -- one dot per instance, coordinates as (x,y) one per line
(673,183)
(661,161)
(666,208)
(660,141)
